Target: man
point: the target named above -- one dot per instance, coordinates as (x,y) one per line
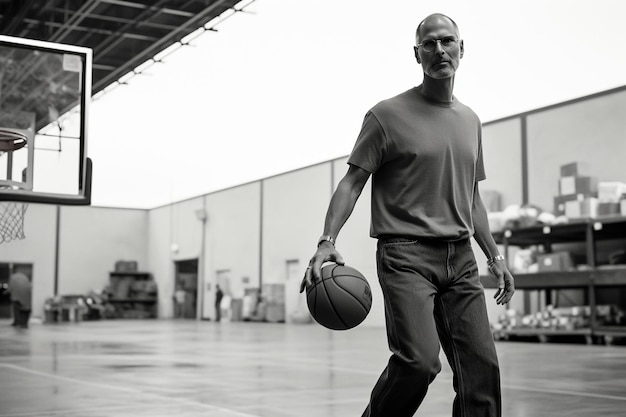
(20,289)
(423,149)
(219,294)
(180,295)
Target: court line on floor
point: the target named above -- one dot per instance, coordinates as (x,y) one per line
(304,363)
(126,390)
(565,392)
(310,363)
(73,411)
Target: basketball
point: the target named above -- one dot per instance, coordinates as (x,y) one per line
(341,299)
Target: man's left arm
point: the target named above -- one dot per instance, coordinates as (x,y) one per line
(496,263)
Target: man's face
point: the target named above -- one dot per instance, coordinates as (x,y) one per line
(441,49)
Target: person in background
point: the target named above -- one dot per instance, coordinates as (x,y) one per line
(179,301)
(219,294)
(20,289)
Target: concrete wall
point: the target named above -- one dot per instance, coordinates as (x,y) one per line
(175,234)
(294,208)
(502,156)
(159,244)
(232,243)
(92,239)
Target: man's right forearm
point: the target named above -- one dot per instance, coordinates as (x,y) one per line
(343,201)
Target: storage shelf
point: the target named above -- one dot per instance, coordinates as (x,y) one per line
(132,300)
(543,335)
(610,330)
(548,332)
(541,280)
(564,279)
(575,231)
(132,295)
(587,232)
(609,277)
(129,273)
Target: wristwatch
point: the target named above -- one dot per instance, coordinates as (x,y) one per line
(326,238)
(495,259)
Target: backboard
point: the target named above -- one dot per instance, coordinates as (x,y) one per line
(45,89)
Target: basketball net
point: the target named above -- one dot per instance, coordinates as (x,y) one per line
(11,213)
(12,221)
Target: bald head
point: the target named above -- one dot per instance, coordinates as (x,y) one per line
(434,18)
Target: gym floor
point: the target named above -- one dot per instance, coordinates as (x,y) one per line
(188,368)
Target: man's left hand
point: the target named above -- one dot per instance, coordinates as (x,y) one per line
(506,283)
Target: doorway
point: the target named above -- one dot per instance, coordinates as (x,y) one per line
(186,289)
(6,269)
(296,310)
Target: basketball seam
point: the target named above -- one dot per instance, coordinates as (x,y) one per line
(332,276)
(314,302)
(330,301)
(350,294)
(352,276)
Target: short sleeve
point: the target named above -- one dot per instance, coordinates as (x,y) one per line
(370,146)
(480,166)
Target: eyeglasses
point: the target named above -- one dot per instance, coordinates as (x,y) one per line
(430,45)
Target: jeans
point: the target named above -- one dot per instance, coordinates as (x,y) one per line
(433,296)
(20,316)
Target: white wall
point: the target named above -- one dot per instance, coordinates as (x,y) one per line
(160,257)
(294,207)
(186,229)
(232,241)
(92,239)
(174,234)
(502,156)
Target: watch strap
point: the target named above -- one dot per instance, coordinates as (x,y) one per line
(495,259)
(326,238)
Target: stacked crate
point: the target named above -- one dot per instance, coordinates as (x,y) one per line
(612,196)
(578,193)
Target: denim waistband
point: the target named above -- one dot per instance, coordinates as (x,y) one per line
(427,240)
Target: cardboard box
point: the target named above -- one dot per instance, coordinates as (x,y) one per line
(559,202)
(587,186)
(582,209)
(126,266)
(574,169)
(608,209)
(557,261)
(611,192)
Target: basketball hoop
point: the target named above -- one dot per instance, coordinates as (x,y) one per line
(12,140)
(12,214)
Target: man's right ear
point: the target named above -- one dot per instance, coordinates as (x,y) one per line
(417,55)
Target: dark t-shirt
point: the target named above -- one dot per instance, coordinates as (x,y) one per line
(425,157)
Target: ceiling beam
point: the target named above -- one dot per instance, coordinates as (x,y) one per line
(196,21)
(116,19)
(75,20)
(128,35)
(16,19)
(143,6)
